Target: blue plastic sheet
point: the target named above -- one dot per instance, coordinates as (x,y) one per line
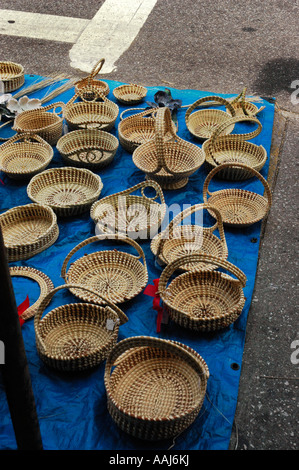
(72,409)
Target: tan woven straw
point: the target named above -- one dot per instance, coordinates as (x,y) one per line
(99,85)
(156,388)
(130,94)
(12,76)
(243,107)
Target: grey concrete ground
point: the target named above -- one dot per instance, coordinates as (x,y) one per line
(222,46)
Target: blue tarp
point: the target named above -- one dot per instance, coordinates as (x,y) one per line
(72,410)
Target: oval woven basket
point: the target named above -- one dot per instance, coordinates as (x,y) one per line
(156,388)
(28,230)
(202,300)
(48,125)
(68,190)
(12,76)
(76,337)
(177,240)
(243,107)
(130,94)
(90,114)
(88,148)
(202,124)
(25,155)
(168,163)
(100,86)
(238,207)
(117,275)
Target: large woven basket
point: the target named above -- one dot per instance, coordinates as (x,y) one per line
(238,207)
(117,275)
(25,155)
(139,217)
(90,114)
(28,230)
(202,124)
(88,148)
(179,240)
(48,125)
(202,300)
(99,85)
(76,337)
(168,163)
(68,190)
(130,94)
(156,388)
(12,76)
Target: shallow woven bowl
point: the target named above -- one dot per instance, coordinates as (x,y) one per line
(12,75)
(156,388)
(130,94)
(203,123)
(250,108)
(88,148)
(91,114)
(101,86)
(28,230)
(68,190)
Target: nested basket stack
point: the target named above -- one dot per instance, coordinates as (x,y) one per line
(90,81)
(12,75)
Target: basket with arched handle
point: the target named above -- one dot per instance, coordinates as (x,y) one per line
(243,107)
(90,80)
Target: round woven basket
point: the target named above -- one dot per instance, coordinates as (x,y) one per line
(68,190)
(156,388)
(243,107)
(90,114)
(168,163)
(117,275)
(25,155)
(99,85)
(76,337)
(202,300)
(88,148)
(177,241)
(28,230)
(238,207)
(130,94)
(139,217)
(202,124)
(12,76)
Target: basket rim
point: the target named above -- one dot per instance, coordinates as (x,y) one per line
(13,76)
(81,132)
(46,161)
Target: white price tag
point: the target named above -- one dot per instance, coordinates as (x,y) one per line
(110,324)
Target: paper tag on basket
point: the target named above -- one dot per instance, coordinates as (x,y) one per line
(110,324)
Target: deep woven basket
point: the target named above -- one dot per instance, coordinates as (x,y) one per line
(130,94)
(28,230)
(68,190)
(116,275)
(25,155)
(156,388)
(88,148)
(100,86)
(76,337)
(202,300)
(139,217)
(12,76)
(238,207)
(168,163)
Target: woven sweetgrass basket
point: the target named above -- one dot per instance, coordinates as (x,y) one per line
(68,190)
(99,85)
(12,75)
(117,275)
(156,388)
(181,240)
(25,155)
(169,163)
(202,300)
(28,230)
(130,94)
(137,216)
(88,148)
(243,107)
(238,207)
(76,337)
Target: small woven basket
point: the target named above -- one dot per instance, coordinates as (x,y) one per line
(88,148)
(25,155)
(168,163)
(39,121)
(99,85)
(68,190)
(28,230)
(139,217)
(242,107)
(238,207)
(76,337)
(117,275)
(156,388)
(130,94)
(203,123)
(202,300)
(12,76)
(90,114)
(177,240)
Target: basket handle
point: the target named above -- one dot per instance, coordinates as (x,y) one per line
(255,173)
(199,102)
(87,88)
(146,184)
(54,106)
(96,69)
(120,237)
(143,113)
(234,120)
(24,137)
(242,98)
(163,124)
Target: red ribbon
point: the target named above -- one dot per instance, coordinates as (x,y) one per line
(2,182)
(21,309)
(151,290)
